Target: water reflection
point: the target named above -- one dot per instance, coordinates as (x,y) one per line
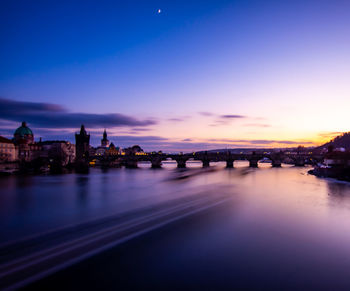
(82,187)
(23,193)
(339,189)
(280,225)
(33,204)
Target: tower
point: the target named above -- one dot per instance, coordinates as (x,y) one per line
(82,141)
(104,140)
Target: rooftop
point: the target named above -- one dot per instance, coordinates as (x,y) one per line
(5,140)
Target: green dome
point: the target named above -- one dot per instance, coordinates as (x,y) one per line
(23,130)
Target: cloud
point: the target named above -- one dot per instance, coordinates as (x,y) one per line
(52,121)
(204,113)
(148,143)
(55,116)
(218,123)
(134,138)
(132,131)
(179,118)
(286,142)
(155,143)
(330,135)
(189,146)
(176,119)
(224,116)
(257,125)
(10,107)
(225,119)
(260,142)
(232,116)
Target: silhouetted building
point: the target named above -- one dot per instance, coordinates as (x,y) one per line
(23,135)
(82,141)
(337,158)
(113,150)
(102,150)
(8,151)
(133,150)
(63,152)
(23,138)
(104,140)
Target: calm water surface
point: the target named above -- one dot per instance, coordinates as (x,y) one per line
(282,225)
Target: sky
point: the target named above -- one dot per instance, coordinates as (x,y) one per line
(197,75)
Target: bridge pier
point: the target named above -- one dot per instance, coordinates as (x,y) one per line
(156,162)
(181,162)
(276,163)
(130,162)
(254,159)
(206,163)
(156,165)
(299,162)
(205,160)
(276,159)
(253,163)
(229,160)
(229,163)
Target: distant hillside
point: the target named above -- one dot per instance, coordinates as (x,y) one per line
(341,141)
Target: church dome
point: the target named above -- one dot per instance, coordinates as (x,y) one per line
(23,130)
(23,135)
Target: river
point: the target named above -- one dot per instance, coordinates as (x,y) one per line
(281,228)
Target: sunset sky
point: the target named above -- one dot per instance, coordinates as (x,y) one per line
(197,75)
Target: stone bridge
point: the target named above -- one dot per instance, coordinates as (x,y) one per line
(156,159)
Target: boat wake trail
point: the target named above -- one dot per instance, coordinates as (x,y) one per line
(31,259)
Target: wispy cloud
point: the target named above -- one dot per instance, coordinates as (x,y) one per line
(223,119)
(232,116)
(177,119)
(257,125)
(223,116)
(205,113)
(218,123)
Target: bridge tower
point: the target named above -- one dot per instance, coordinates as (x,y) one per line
(82,143)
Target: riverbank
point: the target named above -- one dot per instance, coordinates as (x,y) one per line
(341,174)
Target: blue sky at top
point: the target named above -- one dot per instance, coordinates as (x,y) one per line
(259,59)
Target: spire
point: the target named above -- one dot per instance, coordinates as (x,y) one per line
(82,130)
(104,140)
